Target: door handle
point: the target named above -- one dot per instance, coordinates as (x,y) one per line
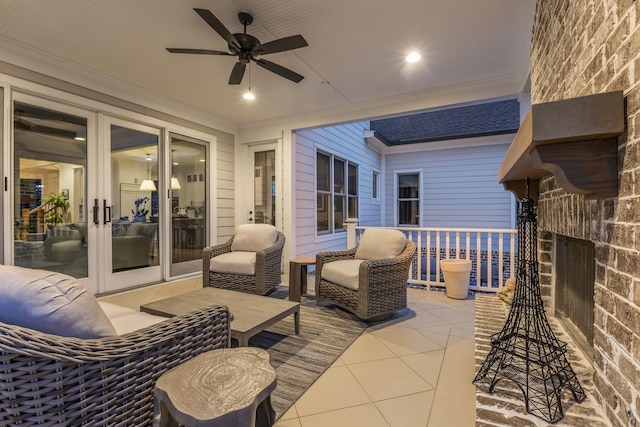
(107,211)
(96,211)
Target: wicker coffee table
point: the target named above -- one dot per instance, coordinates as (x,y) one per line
(251,313)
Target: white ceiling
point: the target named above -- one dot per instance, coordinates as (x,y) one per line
(354,58)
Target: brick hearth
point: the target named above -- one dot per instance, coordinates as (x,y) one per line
(501,409)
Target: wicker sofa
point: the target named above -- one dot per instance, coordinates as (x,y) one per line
(258,274)
(378,275)
(48,379)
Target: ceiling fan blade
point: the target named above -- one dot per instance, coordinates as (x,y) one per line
(198,51)
(280,70)
(237,73)
(44,130)
(280,45)
(218,27)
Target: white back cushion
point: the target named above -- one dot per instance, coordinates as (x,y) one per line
(50,302)
(254,237)
(380,243)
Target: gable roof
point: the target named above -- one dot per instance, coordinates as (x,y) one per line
(493,118)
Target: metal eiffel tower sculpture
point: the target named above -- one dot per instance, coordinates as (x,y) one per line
(526,351)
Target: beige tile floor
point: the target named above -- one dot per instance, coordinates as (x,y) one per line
(415,370)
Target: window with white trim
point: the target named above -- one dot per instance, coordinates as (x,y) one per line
(375,185)
(336,192)
(408,203)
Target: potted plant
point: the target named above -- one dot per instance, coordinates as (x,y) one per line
(57,206)
(140,212)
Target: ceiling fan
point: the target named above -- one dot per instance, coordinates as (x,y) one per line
(247,48)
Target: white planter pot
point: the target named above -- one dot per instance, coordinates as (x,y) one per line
(456,277)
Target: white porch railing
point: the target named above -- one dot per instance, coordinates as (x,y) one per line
(492,253)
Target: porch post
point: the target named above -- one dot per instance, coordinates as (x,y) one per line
(350,225)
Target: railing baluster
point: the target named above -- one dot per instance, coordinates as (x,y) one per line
(500,251)
(479,260)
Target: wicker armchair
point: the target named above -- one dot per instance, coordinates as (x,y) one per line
(53,380)
(382,284)
(267,272)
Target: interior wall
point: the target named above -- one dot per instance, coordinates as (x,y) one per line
(583,48)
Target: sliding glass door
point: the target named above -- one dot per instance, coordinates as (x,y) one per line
(88,210)
(113,202)
(189,203)
(50,189)
(132,204)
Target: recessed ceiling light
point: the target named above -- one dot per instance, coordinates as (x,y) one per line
(413,57)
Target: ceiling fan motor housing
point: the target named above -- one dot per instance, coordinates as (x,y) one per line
(247,43)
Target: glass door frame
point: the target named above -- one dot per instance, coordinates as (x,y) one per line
(179,269)
(5,120)
(248,178)
(90,281)
(96,113)
(113,281)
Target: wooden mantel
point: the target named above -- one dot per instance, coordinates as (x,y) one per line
(575,140)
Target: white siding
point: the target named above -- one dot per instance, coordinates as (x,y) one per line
(460,186)
(224,186)
(344,141)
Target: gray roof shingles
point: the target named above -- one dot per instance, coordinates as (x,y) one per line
(493,118)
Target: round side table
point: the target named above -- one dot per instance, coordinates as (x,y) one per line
(226,387)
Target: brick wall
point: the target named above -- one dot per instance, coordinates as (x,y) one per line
(581,48)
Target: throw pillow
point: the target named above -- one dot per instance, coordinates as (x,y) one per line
(381,243)
(254,237)
(52,303)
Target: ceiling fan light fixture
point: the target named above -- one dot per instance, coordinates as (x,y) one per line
(413,57)
(248,95)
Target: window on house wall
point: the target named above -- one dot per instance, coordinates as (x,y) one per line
(336,192)
(408,199)
(374,185)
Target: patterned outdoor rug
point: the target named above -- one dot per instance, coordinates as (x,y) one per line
(300,359)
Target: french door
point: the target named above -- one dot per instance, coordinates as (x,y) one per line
(263,208)
(85,195)
(130,208)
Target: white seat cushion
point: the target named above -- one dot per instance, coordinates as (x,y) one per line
(52,303)
(234,263)
(344,273)
(131,322)
(254,237)
(380,243)
(66,246)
